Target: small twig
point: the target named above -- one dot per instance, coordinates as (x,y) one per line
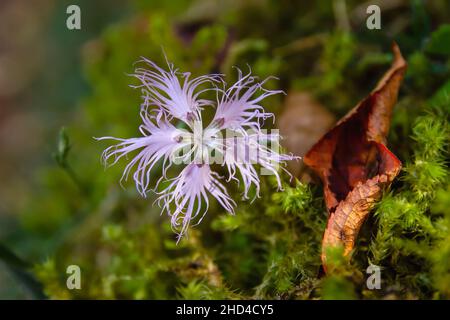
(301,44)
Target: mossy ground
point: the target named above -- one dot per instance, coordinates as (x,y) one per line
(271,248)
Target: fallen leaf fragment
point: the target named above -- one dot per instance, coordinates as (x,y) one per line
(353,162)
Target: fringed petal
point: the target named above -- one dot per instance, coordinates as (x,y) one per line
(183,199)
(172,92)
(238,106)
(160,141)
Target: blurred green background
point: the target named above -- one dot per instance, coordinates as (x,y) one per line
(59,207)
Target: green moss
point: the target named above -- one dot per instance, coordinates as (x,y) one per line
(271,247)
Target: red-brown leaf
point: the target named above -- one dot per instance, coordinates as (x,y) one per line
(353,161)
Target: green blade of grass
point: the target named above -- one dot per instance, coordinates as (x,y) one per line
(20,269)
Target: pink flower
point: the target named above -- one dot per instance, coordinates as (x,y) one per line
(234,139)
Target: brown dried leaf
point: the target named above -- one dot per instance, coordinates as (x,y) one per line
(353,161)
(302,123)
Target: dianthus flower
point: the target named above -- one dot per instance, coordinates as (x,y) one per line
(174,133)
